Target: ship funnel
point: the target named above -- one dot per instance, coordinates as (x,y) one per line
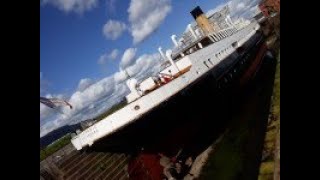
(168,54)
(162,54)
(192,31)
(174,40)
(202,20)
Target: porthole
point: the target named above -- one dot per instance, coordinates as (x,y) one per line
(137,107)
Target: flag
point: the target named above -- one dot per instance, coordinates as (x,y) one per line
(54,102)
(47,102)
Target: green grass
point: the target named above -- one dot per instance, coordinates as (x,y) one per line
(266,177)
(55,146)
(227,161)
(271,135)
(267,168)
(274,124)
(269,145)
(276,91)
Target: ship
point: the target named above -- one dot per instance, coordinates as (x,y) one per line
(211,59)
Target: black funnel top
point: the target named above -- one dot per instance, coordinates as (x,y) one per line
(197,11)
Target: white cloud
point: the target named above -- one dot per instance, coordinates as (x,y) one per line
(120,76)
(47,127)
(78,6)
(45,111)
(113,29)
(145,66)
(114,54)
(80,99)
(217,8)
(103,59)
(127,57)
(111,56)
(84,84)
(146,16)
(99,96)
(240,6)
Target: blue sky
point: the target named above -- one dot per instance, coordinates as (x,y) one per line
(83,43)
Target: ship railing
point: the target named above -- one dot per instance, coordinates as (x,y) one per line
(217,36)
(188,40)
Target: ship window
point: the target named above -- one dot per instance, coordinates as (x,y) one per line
(210,61)
(235,44)
(205,63)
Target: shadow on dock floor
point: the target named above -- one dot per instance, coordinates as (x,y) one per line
(238,155)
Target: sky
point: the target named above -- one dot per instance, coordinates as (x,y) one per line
(86,44)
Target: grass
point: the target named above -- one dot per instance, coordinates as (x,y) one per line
(269,145)
(55,146)
(266,171)
(271,135)
(227,161)
(276,93)
(267,168)
(266,177)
